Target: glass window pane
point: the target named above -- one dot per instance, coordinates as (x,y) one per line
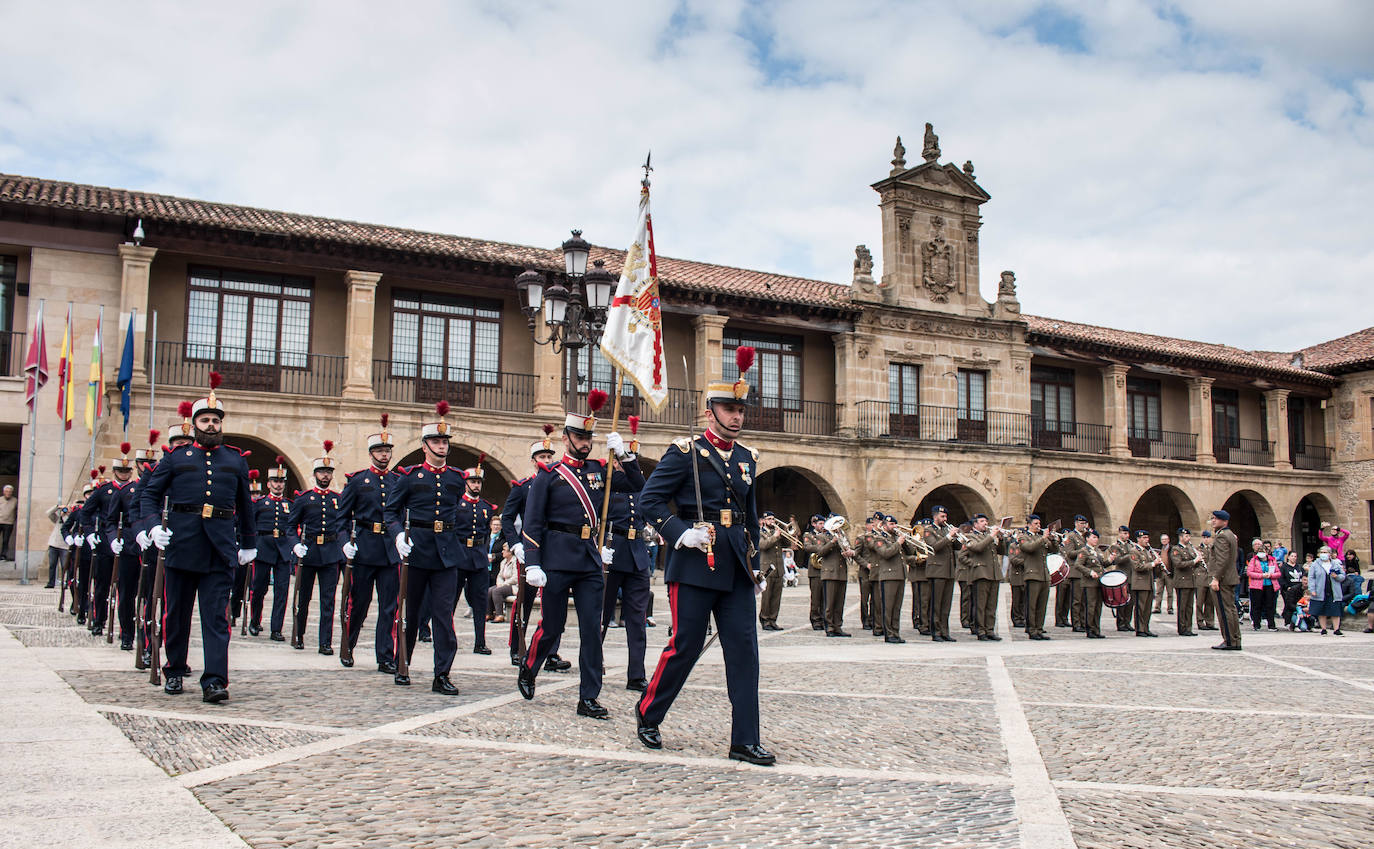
(264,339)
(233,335)
(295,333)
(487,351)
(460,350)
(405,343)
(432,348)
(202,324)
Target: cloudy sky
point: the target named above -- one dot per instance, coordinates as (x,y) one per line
(1201,168)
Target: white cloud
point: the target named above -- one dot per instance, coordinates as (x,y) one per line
(1200,169)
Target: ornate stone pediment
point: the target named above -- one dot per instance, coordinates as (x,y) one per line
(937,268)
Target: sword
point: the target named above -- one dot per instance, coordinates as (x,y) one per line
(696,474)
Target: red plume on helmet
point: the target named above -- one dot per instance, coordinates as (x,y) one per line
(152,437)
(184,409)
(744,358)
(596,399)
(125,448)
(386,417)
(215,380)
(328,445)
(481,458)
(281,461)
(102,470)
(441,407)
(252,474)
(548,429)
(94,474)
(634,424)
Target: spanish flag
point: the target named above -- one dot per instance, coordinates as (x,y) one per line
(95,386)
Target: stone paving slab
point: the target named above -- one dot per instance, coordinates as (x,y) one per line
(1149,747)
(1317,646)
(180,746)
(1174,821)
(1345,667)
(879,734)
(398,793)
(1190,662)
(1184,690)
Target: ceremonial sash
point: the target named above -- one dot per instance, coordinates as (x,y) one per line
(576,483)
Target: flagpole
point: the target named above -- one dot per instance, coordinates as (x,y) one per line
(610,469)
(62,378)
(95,412)
(152,375)
(33,460)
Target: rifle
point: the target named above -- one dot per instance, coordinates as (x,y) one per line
(402,644)
(346,650)
(247,605)
(154,626)
(297,638)
(66,580)
(111,607)
(520,615)
(140,605)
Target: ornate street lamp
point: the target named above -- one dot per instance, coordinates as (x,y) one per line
(571,312)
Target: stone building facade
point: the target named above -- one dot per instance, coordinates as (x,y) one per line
(891,393)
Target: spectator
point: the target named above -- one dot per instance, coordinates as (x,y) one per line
(1353,582)
(1334,536)
(9,508)
(1292,583)
(503,588)
(1263,573)
(1324,587)
(1280,553)
(57,544)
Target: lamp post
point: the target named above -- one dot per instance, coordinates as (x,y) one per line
(570,311)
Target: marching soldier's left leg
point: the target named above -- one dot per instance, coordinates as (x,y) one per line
(388,587)
(734,612)
(690,608)
(329,585)
(213,591)
(892,593)
(475,587)
(587,591)
(179,596)
(635,602)
(129,569)
(359,602)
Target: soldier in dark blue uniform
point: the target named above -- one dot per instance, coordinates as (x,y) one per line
(426,497)
(179,435)
(76,548)
(361,507)
(87,531)
(561,553)
(474,528)
(105,501)
(207,486)
(512,520)
(315,517)
(275,560)
(627,576)
(120,528)
(728,528)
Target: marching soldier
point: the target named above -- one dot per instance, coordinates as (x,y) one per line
(711,565)
(561,554)
(1036,546)
(1221,570)
(627,575)
(771,548)
(920,587)
(243,574)
(1206,600)
(1119,557)
(1016,579)
(316,518)
(206,485)
(1143,568)
(889,549)
(276,558)
(863,556)
(362,505)
(87,538)
(940,571)
(967,614)
(179,435)
(983,548)
(474,529)
(512,521)
(123,536)
(1088,567)
(1068,600)
(829,548)
(811,540)
(106,542)
(1184,559)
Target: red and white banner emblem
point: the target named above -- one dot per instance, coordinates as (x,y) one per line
(633,339)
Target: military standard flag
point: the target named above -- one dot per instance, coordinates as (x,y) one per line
(633,339)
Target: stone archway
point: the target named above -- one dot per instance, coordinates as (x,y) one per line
(1311,510)
(1251,517)
(960,501)
(496,477)
(263,456)
(793,491)
(1069,497)
(1163,508)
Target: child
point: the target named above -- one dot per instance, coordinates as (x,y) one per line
(1304,621)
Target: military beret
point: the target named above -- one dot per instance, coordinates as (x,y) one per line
(816,517)
(1124,528)
(938,509)
(767,514)
(1142,534)
(1080,518)
(1222,515)
(1092,532)
(1035,517)
(1207,533)
(889,518)
(977,516)
(1182,531)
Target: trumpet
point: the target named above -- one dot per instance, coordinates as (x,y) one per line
(791,538)
(909,532)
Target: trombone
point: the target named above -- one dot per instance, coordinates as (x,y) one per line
(916,539)
(781,530)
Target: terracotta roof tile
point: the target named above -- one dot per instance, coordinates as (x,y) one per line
(673,273)
(1341,354)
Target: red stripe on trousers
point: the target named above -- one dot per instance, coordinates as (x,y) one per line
(668,651)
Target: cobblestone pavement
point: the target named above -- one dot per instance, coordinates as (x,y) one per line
(1115,743)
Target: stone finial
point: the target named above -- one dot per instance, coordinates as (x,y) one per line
(1007,288)
(968,168)
(898,157)
(930,150)
(863,266)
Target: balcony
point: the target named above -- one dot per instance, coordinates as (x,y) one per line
(925,423)
(255,369)
(1162,444)
(1078,437)
(407,383)
(805,418)
(1242,452)
(1312,458)
(12,353)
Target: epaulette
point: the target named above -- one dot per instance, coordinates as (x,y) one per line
(296,494)
(240,451)
(753,452)
(349,475)
(491,504)
(547,467)
(402,470)
(683,444)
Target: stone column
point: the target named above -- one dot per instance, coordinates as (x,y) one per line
(358,326)
(846,378)
(1200,417)
(548,381)
(709,332)
(1114,408)
(136,263)
(1276,411)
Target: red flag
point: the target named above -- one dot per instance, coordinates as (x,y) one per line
(36,364)
(64,376)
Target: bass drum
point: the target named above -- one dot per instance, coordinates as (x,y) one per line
(1114,590)
(1059,569)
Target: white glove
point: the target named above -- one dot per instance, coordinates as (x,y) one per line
(247,555)
(143,540)
(535,577)
(93,540)
(607,555)
(80,540)
(519,551)
(160,536)
(299,549)
(695,537)
(403,545)
(117,546)
(350,549)
(70,540)
(761,586)
(615,444)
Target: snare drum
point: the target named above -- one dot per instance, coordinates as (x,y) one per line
(1059,570)
(1114,590)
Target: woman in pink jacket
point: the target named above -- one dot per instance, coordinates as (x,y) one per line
(1334,536)
(1263,572)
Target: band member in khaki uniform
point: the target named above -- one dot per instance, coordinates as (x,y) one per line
(967,617)
(812,541)
(1087,568)
(833,574)
(868,590)
(1221,569)
(1016,564)
(920,588)
(770,564)
(984,548)
(940,573)
(1164,583)
(1119,559)
(1069,611)
(1183,561)
(1144,568)
(890,549)
(1206,602)
(1036,545)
